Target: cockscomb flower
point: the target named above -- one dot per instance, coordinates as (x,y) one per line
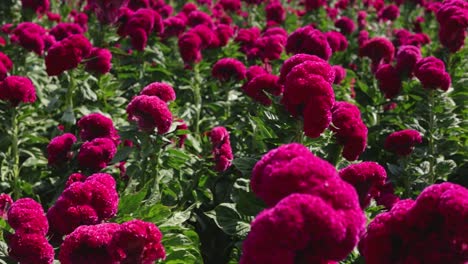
(350,130)
(346,25)
(275,12)
(403,142)
(431,73)
(150,112)
(96,154)
(361,19)
(137,241)
(309,40)
(26,216)
(106,11)
(269,46)
(406,59)
(5,203)
(84,202)
(17,89)
(6,65)
(314,4)
(230,5)
(32,37)
(390,12)
(223,33)
(254,71)
(297,59)
(162,90)
(222,152)
(190,47)
(246,37)
(99,61)
(198,17)
(377,49)
(173,26)
(389,80)
(453,19)
(337,41)
(367,178)
(30,249)
(38,6)
(227,68)
(67,54)
(75,177)
(340,74)
(262,84)
(139,25)
(64,30)
(89,243)
(96,125)
(59,148)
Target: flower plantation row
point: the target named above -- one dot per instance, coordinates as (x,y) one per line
(228,131)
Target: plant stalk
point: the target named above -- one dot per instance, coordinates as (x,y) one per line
(15,154)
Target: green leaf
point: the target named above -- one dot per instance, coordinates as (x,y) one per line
(229,220)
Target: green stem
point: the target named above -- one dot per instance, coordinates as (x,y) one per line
(299,138)
(432,177)
(15,154)
(197,98)
(405,176)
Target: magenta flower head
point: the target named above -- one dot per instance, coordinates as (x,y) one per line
(228,68)
(67,54)
(106,11)
(96,125)
(223,34)
(297,59)
(38,6)
(32,37)
(314,4)
(403,142)
(17,89)
(190,45)
(86,201)
(89,244)
(346,25)
(230,5)
(173,26)
(337,41)
(453,19)
(406,58)
(340,74)
(431,73)
(137,242)
(308,92)
(5,203)
(26,216)
(96,154)
(6,65)
(367,178)
(162,90)
(139,25)
(390,12)
(309,41)
(99,61)
(389,80)
(258,87)
(75,177)
(59,148)
(275,12)
(222,151)
(150,112)
(30,248)
(254,71)
(377,49)
(350,130)
(64,30)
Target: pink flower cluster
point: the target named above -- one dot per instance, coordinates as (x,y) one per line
(308,92)
(431,229)
(349,129)
(314,216)
(222,152)
(228,68)
(259,83)
(17,89)
(309,40)
(85,201)
(6,65)
(403,142)
(32,37)
(59,149)
(453,20)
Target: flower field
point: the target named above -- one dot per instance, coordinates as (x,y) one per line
(229,131)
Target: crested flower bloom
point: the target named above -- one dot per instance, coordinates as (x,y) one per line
(26,216)
(223,34)
(389,79)
(254,71)
(309,40)
(67,54)
(162,90)
(314,4)
(5,203)
(64,30)
(89,243)
(230,5)
(227,68)
(6,65)
(30,248)
(38,6)
(139,25)
(99,61)
(137,241)
(75,177)
(174,26)
(182,137)
(269,45)
(246,37)
(86,201)
(431,73)
(306,200)
(403,142)
(59,148)
(350,130)
(346,25)
(190,47)
(106,11)
(275,12)
(32,37)
(340,74)
(337,41)
(308,91)
(453,19)
(377,49)
(150,112)
(431,229)
(96,125)
(96,154)
(390,12)
(17,89)
(259,85)
(406,58)
(367,178)
(361,18)
(222,152)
